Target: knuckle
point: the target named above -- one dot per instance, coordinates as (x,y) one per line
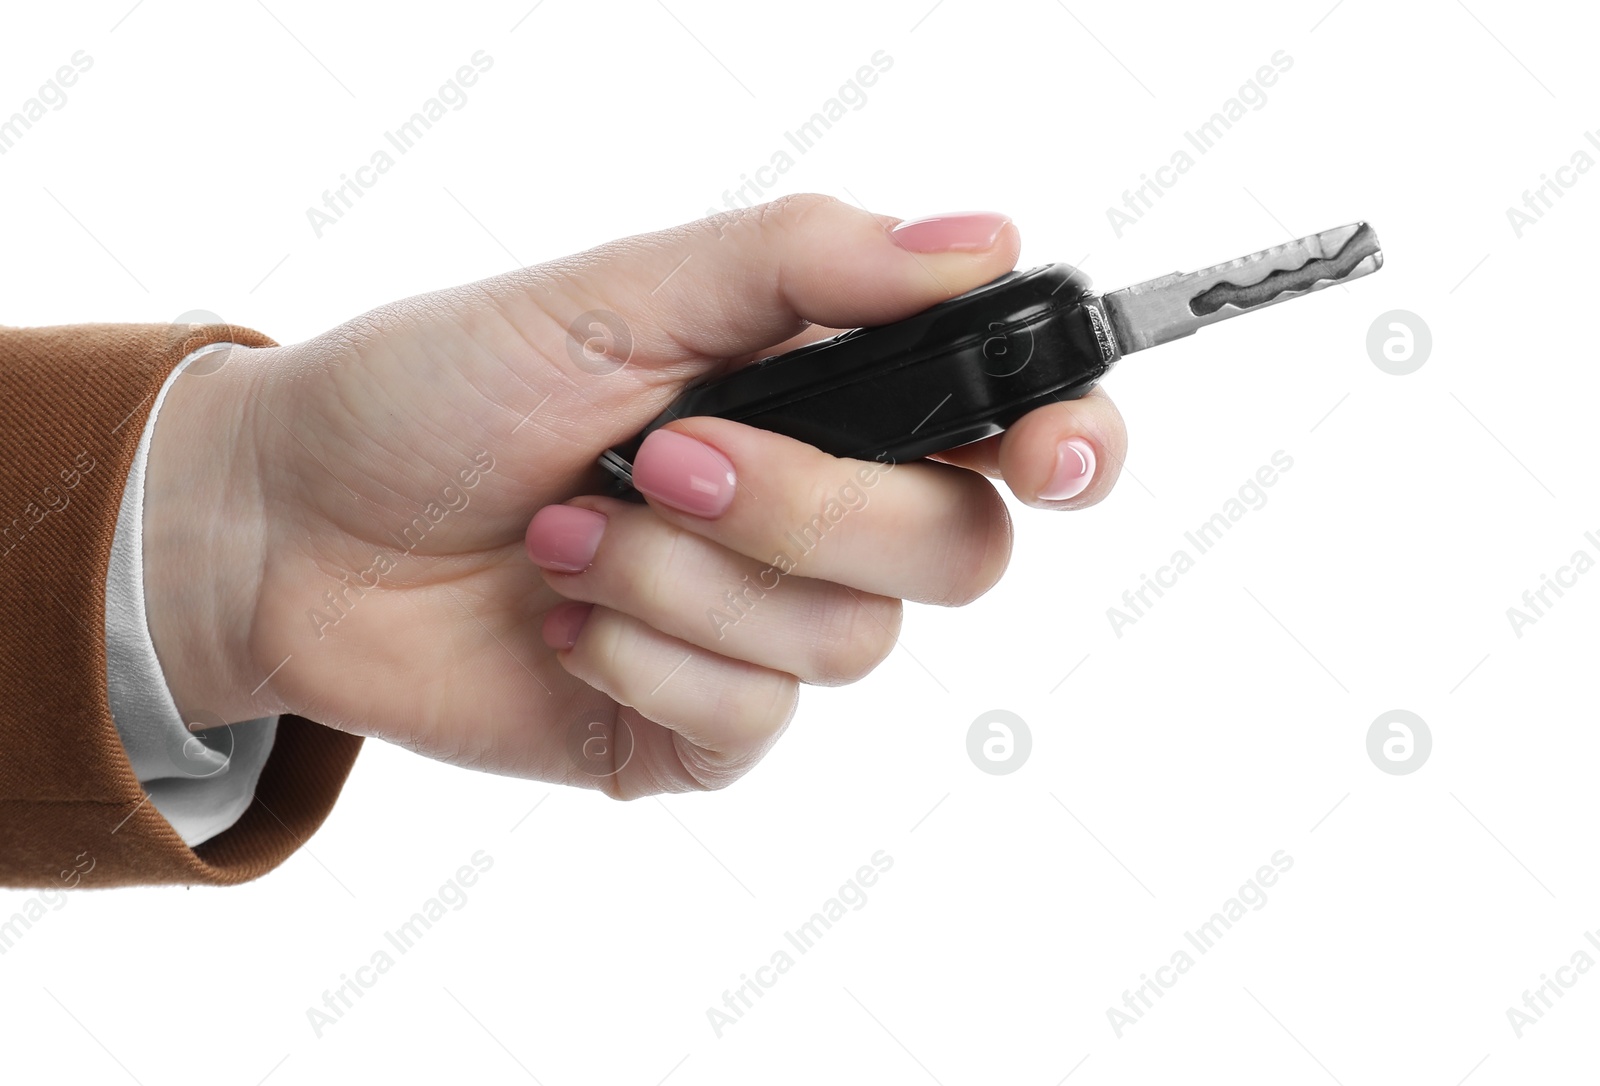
(789,211)
(605,649)
(854,637)
(644,581)
(980,559)
(810,512)
(751,713)
(706,770)
(747,717)
(967,587)
(781,213)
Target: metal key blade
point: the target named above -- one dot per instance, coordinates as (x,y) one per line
(1173,306)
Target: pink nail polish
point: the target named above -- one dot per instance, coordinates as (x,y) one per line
(960,232)
(1073,473)
(686,474)
(564,537)
(563,624)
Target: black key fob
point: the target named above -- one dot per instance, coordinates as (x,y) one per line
(956,373)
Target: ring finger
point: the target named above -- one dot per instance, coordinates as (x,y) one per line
(624,557)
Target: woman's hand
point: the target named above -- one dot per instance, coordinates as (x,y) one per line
(342,529)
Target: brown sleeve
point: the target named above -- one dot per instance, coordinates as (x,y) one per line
(73,403)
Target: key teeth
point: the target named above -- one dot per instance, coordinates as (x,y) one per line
(1325,245)
(1332,241)
(1317,270)
(1365,267)
(1160,310)
(1246,261)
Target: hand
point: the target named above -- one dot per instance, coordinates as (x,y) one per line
(342,529)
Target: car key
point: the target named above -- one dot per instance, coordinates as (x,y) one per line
(971,366)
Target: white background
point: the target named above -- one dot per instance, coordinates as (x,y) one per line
(1227,724)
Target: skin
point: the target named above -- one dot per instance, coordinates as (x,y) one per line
(290,467)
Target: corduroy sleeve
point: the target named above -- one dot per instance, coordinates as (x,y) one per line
(73,402)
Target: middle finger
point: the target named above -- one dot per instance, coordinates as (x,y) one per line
(918,531)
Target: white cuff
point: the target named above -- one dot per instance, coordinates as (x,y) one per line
(200,782)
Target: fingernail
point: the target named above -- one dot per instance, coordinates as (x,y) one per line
(1073,473)
(563,624)
(686,474)
(564,537)
(959,232)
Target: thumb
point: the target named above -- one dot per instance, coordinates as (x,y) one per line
(732,284)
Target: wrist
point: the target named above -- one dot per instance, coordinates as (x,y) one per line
(204,537)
